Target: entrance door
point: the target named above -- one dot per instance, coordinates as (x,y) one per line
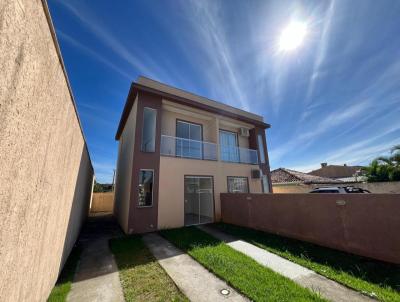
(199,200)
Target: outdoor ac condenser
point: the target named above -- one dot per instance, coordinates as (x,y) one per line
(256,174)
(244,132)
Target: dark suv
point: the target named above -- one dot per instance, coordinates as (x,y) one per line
(343,190)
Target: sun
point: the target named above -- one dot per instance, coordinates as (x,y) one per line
(292,36)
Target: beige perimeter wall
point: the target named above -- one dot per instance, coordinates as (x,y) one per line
(45,172)
(390,187)
(363,224)
(102,202)
(171,190)
(124,170)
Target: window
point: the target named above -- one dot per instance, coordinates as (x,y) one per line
(146,178)
(261,148)
(265,184)
(149,130)
(229,146)
(189,140)
(238,184)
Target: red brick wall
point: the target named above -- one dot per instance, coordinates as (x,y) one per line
(363,224)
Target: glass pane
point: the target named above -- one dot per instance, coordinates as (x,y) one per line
(228,145)
(206,200)
(265,184)
(145,188)
(149,130)
(238,185)
(182,130)
(261,148)
(192,202)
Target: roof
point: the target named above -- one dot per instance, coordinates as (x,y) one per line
(336,171)
(283,175)
(176,95)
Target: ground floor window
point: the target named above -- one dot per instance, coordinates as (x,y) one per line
(146,179)
(238,184)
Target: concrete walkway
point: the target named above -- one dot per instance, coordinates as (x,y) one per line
(198,284)
(96,278)
(328,289)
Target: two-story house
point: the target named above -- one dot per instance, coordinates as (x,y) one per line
(178,152)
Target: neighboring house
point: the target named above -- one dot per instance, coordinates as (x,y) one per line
(348,173)
(291,181)
(178,152)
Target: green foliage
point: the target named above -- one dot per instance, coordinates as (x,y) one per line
(385,168)
(142,278)
(63,285)
(376,279)
(100,188)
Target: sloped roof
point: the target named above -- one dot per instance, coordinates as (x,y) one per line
(283,175)
(336,171)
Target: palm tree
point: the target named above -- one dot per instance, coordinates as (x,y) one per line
(385,168)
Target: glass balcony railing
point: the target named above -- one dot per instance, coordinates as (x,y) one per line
(188,148)
(238,155)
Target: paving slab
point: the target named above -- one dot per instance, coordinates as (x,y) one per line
(96,278)
(197,283)
(305,277)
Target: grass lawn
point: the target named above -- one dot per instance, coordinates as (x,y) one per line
(142,278)
(63,285)
(240,271)
(375,278)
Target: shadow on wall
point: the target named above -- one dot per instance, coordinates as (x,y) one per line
(79,209)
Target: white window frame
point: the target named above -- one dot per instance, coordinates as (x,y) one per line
(242,177)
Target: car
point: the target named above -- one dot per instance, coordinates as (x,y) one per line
(343,190)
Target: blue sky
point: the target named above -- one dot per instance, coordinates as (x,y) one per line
(335,98)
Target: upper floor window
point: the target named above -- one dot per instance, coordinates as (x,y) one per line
(237,184)
(149,130)
(261,148)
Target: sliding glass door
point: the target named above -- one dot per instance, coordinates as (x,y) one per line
(189,140)
(229,146)
(199,200)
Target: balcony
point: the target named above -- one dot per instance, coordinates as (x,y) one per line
(187,148)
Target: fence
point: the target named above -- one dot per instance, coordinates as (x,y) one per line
(102,202)
(363,224)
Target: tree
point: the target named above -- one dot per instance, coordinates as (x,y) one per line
(385,168)
(98,188)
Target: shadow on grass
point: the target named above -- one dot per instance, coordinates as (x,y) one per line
(373,271)
(63,284)
(142,278)
(183,238)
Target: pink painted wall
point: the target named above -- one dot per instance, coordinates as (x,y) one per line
(363,224)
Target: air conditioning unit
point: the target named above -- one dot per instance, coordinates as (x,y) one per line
(255,174)
(244,132)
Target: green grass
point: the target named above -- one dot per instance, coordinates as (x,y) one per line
(63,285)
(377,279)
(240,271)
(142,278)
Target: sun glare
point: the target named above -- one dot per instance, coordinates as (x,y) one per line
(292,36)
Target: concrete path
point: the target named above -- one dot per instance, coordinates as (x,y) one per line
(198,284)
(96,278)
(329,289)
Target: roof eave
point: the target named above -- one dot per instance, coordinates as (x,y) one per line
(135,88)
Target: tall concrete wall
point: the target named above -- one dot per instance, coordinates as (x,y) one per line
(124,170)
(363,224)
(45,172)
(390,187)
